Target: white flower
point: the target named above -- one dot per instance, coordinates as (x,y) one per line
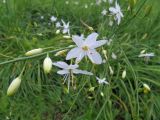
(58,24)
(148,55)
(68,70)
(116,11)
(13,87)
(104,12)
(65,28)
(53,18)
(102,81)
(86,47)
(47,64)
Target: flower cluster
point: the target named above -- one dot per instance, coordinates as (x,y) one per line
(85,48)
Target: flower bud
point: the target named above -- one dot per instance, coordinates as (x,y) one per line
(66,37)
(123,74)
(111,70)
(57,31)
(102,94)
(62,52)
(34,52)
(13,87)
(91,89)
(146,88)
(47,64)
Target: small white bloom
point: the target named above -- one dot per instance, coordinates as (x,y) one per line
(67,70)
(104,12)
(116,11)
(13,87)
(66,28)
(102,81)
(47,64)
(34,52)
(53,18)
(58,24)
(86,47)
(148,55)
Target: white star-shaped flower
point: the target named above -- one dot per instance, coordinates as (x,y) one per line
(65,27)
(116,11)
(102,81)
(68,70)
(86,47)
(58,24)
(148,55)
(53,18)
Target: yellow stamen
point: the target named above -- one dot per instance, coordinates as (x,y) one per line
(85,48)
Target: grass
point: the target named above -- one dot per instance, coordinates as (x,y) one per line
(44,97)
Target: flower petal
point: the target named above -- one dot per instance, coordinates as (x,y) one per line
(94,56)
(61,64)
(73,53)
(91,38)
(113,10)
(77,71)
(98,43)
(73,66)
(62,72)
(78,40)
(80,57)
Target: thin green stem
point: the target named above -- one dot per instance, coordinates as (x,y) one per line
(34,56)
